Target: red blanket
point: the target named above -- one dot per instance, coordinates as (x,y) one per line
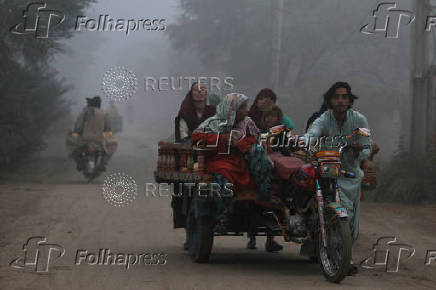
(225,160)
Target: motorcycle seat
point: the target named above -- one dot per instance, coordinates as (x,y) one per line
(286,166)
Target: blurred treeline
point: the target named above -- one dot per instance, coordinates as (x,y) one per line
(31,94)
(407,179)
(321,43)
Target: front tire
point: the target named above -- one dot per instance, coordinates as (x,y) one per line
(200,237)
(335,259)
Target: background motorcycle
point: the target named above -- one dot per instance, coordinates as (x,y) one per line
(92,159)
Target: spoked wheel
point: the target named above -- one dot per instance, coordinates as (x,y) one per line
(335,258)
(200,237)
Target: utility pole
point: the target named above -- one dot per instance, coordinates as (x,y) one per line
(419,81)
(431,109)
(276,41)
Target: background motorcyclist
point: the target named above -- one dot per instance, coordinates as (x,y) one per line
(90,126)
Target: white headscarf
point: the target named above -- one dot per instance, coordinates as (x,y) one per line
(224,119)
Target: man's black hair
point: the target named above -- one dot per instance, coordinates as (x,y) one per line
(331,92)
(94,102)
(316,115)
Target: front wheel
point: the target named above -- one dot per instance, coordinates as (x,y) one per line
(92,168)
(335,258)
(200,237)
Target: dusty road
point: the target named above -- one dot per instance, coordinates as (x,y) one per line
(75,216)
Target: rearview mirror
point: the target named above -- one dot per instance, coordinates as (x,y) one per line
(360,131)
(277,129)
(363,132)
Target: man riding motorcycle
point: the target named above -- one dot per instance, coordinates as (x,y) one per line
(90,126)
(340,119)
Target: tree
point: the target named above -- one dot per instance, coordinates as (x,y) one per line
(31,95)
(320,44)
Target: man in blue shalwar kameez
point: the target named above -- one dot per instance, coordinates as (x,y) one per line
(341,120)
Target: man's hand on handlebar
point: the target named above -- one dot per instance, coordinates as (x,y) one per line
(357,147)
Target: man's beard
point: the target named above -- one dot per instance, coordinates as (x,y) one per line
(340,109)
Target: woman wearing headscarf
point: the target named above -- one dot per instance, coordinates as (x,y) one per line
(246,156)
(193,111)
(263,103)
(230,118)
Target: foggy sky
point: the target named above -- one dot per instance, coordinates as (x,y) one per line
(373,65)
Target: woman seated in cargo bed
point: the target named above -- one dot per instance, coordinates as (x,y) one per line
(244,159)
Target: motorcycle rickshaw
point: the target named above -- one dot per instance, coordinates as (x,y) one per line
(312,214)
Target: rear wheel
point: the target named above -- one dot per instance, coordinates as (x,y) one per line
(200,237)
(335,258)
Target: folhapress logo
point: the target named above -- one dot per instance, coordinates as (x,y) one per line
(38,20)
(386,254)
(107,23)
(388,19)
(37,255)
